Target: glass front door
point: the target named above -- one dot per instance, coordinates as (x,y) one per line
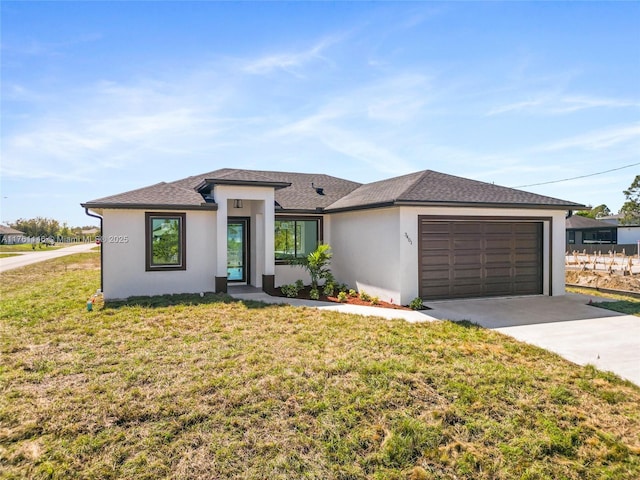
(237,247)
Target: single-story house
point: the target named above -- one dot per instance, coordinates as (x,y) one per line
(426,234)
(9,236)
(584,233)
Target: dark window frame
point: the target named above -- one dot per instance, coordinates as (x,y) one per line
(302,218)
(182,238)
(604,236)
(571,236)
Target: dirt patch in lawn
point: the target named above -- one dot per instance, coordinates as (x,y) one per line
(629,283)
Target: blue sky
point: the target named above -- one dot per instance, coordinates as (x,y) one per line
(103,97)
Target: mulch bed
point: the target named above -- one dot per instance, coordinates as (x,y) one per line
(304,295)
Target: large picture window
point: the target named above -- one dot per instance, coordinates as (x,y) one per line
(296,237)
(166,245)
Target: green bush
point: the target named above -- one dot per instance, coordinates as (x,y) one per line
(416,304)
(375,301)
(292,289)
(353,293)
(314,294)
(365,296)
(329,289)
(342,297)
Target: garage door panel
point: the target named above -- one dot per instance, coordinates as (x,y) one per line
(475,258)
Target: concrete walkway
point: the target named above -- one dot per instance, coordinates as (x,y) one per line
(27,258)
(566,325)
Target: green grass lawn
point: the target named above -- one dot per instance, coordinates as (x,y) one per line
(7,255)
(27,247)
(184,387)
(622,303)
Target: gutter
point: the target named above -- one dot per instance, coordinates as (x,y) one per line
(86,210)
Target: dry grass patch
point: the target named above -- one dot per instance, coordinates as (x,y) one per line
(184,387)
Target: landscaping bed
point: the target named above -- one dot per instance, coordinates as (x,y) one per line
(305,294)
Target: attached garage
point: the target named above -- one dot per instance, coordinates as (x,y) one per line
(462,258)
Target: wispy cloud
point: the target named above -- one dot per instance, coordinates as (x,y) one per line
(597,140)
(554,104)
(290,62)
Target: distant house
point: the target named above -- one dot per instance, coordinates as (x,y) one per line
(426,234)
(604,234)
(9,236)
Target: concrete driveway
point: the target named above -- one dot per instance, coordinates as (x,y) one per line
(566,325)
(27,258)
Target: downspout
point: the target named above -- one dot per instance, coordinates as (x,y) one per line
(86,210)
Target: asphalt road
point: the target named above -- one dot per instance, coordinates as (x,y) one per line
(27,258)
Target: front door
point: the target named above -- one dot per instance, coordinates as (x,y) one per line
(237,248)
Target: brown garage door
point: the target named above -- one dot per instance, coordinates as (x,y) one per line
(460,259)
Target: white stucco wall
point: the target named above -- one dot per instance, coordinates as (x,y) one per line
(628,235)
(366,251)
(124,261)
(377,250)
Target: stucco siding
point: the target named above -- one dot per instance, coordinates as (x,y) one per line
(366,251)
(628,235)
(125,274)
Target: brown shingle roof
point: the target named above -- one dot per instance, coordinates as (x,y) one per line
(580,222)
(299,195)
(4,230)
(162,195)
(435,188)
(299,192)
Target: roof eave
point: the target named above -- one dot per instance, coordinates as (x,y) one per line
(149,206)
(243,183)
(413,203)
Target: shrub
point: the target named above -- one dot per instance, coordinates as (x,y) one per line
(342,297)
(353,293)
(365,296)
(299,284)
(329,288)
(291,290)
(416,304)
(343,287)
(317,264)
(375,301)
(314,294)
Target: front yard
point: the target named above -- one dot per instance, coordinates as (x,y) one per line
(190,387)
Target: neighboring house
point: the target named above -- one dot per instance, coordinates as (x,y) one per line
(425,234)
(9,236)
(584,233)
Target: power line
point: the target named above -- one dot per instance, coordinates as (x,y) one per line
(576,178)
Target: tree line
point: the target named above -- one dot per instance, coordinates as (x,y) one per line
(47,227)
(630,211)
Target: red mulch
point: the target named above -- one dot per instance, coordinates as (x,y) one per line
(304,294)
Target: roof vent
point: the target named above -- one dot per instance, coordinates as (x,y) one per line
(319,191)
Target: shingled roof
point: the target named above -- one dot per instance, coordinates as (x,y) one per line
(434,188)
(164,195)
(582,223)
(307,192)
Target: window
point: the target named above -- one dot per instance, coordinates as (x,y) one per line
(608,235)
(296,237)
(571,236)
(166,245)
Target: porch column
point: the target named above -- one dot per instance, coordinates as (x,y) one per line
(221,243)
(269,266)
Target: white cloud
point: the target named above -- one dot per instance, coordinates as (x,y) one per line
(290,62)
(555,104)
(597,140)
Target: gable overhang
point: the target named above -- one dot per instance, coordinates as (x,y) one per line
(413,203)
(207,184)
(147,206)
